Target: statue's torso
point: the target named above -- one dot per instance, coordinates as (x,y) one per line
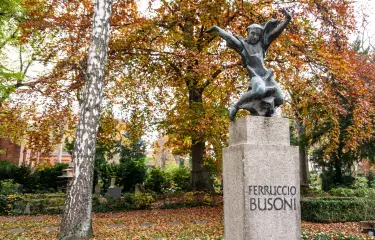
(253,57)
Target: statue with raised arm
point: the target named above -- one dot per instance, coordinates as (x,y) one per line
(263,94)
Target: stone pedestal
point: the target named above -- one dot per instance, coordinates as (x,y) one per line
(261,181)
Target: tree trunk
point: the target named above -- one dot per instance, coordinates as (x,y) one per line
(338,172)
(76,222)
(200,176)
(303,159)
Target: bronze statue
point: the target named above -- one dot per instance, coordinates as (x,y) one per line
(263,94)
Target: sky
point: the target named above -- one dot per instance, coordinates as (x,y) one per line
(366,8)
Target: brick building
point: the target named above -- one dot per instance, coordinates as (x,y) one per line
(10,151)
(17,154)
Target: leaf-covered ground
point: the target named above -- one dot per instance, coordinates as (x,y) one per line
(184,223)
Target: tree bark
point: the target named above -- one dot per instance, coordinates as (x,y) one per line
(338,172)
(200,175)
(303,159)
(76,222)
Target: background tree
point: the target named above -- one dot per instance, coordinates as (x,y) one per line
(194,93)
(329,99)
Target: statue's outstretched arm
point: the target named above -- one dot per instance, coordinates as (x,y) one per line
(278,30)
(232,41)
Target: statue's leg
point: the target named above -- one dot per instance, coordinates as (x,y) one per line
(279,96)
(258,88)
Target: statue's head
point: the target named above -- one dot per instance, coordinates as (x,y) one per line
(254,33)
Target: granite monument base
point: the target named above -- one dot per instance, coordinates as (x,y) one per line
(261,181)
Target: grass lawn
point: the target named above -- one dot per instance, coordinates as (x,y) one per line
(184,223)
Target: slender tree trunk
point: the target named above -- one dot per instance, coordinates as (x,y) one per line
(303,160)
(76,222)
(200,175)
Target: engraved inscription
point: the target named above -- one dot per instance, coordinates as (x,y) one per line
(268,198)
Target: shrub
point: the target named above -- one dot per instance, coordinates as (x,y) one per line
(130,172)
(360,181)
(24,175)
(337,209)
(156,181)
(143,200)
(128,202)
(3,205)
(7,170)
(328,180)
(189,197)
(7,203)
(371,179)
(348,192)
(315,182)
(15,204)
(181,177)
(8,187)
(47,178)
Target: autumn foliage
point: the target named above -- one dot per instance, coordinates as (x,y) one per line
(181,81)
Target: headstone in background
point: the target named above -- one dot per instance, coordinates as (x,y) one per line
(137,189)
(27,208)
(97,189)
(113,182)
(114,192)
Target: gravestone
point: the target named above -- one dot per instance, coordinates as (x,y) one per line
(113,182)
(137,189)
(113,191)
(50,228)
(200,222)
(17,230)
(174,223)
(97,189)
(27,208)
(119,225)
(261,181)
(146,224)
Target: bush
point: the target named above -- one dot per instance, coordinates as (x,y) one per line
(337,209)
(8,187)
(3,205)
(181,177)
(101,204)
(39,180)
(7,203)
(348,192)
(47,178)
(130,201)
(156,181)
(143,200)
(15,204)
(360,181)
(7,170)
(24,175)
(371,179)
(315,182)
(328,180)
(130,172)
